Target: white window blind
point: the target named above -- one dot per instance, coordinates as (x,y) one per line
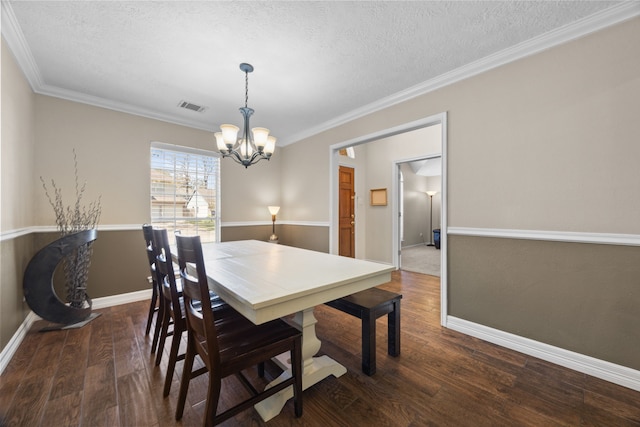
(184,191)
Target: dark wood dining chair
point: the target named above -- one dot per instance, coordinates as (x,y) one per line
(230,345)
(156,306)
(173,313)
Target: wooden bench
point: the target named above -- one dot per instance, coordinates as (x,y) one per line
(368,305)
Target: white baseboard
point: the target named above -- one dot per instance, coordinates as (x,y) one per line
(110,301)
(10,349)
(607,371)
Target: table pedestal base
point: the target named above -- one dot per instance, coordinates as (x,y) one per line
(314,369)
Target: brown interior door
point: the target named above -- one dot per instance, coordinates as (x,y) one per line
(346,212)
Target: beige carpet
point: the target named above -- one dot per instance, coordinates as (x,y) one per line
(421,259)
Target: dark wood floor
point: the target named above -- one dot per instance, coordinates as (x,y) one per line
(103,375)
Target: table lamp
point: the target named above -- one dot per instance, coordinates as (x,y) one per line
(274,211)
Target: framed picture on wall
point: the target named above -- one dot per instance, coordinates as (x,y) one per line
(379,197)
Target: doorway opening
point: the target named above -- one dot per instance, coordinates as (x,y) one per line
(381,223)
(419,218)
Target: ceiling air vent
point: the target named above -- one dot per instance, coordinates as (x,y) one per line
(190,106)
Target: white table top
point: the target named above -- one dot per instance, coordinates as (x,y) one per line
(265,281)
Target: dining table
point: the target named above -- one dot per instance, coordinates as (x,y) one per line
(266,281)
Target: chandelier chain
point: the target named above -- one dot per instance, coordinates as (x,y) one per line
(246,88)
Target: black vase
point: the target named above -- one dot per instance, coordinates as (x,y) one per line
(38,279)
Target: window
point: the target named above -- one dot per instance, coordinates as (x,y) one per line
(184,191)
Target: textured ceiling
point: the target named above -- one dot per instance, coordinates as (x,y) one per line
(316,63)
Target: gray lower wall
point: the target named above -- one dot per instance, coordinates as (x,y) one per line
(301,236)
(118,264)
(15,255)
(580,297)
(254,232)
(117,267)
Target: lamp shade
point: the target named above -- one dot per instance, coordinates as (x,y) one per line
(220,142)
(229,133)
(260,136)
(271,145)
(431,193)
(274,209)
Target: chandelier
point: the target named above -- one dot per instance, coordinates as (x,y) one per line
(252,146)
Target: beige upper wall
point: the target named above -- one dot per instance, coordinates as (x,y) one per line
(246,193)
(549,142)
(305,181)
(16,194)
(113,157)
(18,141)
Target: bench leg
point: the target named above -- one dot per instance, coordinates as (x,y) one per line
(368,343)
(393,330)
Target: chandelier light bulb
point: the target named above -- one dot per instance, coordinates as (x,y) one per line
(246,150)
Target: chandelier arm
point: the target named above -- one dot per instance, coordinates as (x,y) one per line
(246,162)
(233,156)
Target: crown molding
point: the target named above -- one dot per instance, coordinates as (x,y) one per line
(580,28)
(14,37)
(18,45)
(624,11)
(121,107)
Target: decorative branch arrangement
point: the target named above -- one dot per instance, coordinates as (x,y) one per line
(71,219)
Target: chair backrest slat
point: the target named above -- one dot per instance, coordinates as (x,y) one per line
(147,231)
(164,265)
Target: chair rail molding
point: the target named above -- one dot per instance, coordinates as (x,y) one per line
(554,236)
(18,232)
(279,222)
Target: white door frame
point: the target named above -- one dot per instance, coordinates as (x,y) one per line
(385,133)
